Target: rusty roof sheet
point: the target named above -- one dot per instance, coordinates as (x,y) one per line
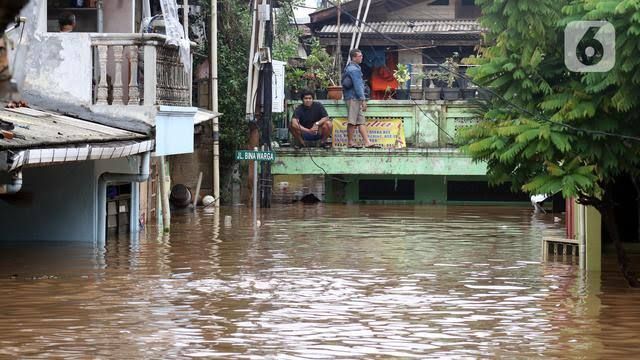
(443,27)
(37,128)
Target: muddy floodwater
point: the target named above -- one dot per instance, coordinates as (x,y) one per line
(317,282)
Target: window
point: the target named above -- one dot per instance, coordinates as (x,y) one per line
(440,2)
(468,2)
(85,17)
(386,190)
(481,191)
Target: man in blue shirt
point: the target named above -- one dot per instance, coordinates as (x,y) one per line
(356,101)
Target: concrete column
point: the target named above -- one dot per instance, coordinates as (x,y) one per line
(592,228)
(588,231)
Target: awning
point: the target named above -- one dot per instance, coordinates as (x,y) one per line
(95,151)
(37,137)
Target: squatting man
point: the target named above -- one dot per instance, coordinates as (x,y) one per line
(310,122)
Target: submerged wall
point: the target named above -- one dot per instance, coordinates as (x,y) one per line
(58,203)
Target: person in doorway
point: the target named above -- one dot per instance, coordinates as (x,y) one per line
(67,22)
(354,97)
(310,122)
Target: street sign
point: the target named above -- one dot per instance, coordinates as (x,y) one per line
(255,155)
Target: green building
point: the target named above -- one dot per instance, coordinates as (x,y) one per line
(427,169)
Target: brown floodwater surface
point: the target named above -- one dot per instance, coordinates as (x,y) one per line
(317,282)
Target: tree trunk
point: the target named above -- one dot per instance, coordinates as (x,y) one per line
(608,216)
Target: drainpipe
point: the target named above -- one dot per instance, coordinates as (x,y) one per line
(104,179)
(14,186)
(100,7)
(213,74)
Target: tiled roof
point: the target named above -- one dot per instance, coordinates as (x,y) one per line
(410,27)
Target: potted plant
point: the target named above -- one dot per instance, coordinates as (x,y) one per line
(321,72)
(451,92)
(469,91)
(417,87)
(401,74)
(295,80)
(432,92)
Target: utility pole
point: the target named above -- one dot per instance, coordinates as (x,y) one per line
(259,101)
(253,82)
(267,79)
(213,90)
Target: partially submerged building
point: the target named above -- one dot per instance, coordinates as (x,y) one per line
(104,102)
(419,161)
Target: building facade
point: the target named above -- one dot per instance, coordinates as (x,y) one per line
(106,101)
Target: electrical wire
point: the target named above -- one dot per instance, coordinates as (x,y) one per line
(515,106)
(321,168)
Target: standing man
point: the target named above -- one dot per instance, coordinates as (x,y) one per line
(310,122)
(356,101)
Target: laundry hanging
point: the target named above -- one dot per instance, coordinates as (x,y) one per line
(175,32)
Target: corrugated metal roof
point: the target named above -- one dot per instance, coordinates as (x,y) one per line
(83,152)
(410,27)
(36,128)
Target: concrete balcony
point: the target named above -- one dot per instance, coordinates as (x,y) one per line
(430,130)
(426,168)
(138,69)
(118,80)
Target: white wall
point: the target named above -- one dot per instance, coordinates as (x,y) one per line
(59,67)
(119,16)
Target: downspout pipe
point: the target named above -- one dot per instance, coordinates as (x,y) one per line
(14,185)
(104,179)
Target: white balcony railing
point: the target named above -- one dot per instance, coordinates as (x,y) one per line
(138,69)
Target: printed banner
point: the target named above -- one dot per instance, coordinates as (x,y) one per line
(388,133)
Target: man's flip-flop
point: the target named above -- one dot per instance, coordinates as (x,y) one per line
(354,147)
(374,146)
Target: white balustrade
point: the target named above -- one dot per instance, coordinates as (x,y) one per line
(126,78)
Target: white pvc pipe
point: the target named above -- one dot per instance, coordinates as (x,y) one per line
(255,191)
(214,105)
(364,19)
(103,180)
(356,28)
(582,235)
(146,9)
(164,192)
(197,194)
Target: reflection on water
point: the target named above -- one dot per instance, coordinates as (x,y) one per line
(316,282)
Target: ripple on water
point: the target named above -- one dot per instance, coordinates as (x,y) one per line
(315,282)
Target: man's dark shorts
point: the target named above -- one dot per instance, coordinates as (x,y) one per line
(311,137)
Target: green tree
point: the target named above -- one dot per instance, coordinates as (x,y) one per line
(234,37)
(550,129)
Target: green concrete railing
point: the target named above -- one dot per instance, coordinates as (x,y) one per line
(430,129)
(427,123)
